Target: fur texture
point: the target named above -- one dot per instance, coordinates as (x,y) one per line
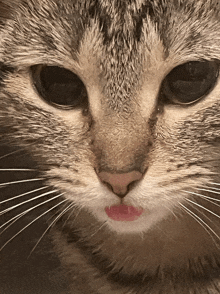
(122,51)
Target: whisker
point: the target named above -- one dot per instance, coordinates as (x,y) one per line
(17,169)
(8,154)
(201,206)
(69,218)
(217,184)
(98,229)
(201,222)
(76,215)
(33,221)
(203,214)
(12,221)
(212,191)
(51,224)
(17,217)
(52,216)
(29,200)
(213,188)
(21,181)
(171,211)
(213,223)
(200,195)
(206,198)
(24,194)
(210,201)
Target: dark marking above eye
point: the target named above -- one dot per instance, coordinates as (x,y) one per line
(4,70)
(59,87)
(189,82)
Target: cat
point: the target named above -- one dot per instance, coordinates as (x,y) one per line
(110,131)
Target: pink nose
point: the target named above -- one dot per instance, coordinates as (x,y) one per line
(120,182)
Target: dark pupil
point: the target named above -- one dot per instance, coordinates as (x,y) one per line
(192,80)
(195,70)
(61,86)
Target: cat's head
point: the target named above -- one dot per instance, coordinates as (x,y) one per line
(118,103)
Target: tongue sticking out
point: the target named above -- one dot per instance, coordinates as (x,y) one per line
(123,212)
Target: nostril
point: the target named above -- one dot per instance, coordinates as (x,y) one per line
(119,183)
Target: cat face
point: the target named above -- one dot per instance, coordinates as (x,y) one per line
(119,106)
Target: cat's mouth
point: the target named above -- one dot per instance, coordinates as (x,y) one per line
(123,212)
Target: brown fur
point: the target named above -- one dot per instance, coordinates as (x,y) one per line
(122,51)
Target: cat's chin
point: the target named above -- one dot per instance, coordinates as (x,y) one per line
(143,221)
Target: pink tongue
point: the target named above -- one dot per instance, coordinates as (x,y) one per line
(123,212)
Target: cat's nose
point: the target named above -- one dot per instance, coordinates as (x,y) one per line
(119,183)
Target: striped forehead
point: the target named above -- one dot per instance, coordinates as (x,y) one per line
(133,31)
(115,38)
(121,23)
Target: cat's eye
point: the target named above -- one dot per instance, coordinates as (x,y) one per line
(59,87)
(189,82)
